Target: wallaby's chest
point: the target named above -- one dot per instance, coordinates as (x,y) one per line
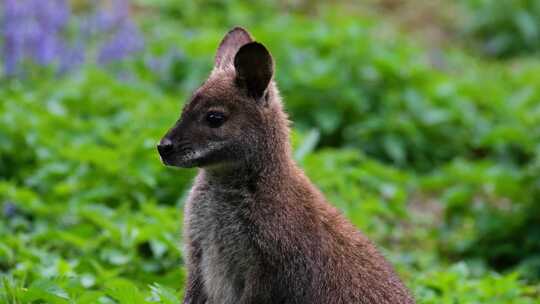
(218,222)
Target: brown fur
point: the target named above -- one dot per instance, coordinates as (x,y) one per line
(256,229)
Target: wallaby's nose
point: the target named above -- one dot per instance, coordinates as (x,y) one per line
(165,146)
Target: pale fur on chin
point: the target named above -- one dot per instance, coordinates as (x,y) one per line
(194,155)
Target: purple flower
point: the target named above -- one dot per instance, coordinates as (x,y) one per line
(73,57)
(15,14)
(32,29)
(125,39)
(35,31)
(51,18)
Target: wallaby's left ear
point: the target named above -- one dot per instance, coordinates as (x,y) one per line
(254,68)
(230,45)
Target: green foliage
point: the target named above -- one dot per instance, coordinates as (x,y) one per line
(505,28)
(490,213)
(437,160)
(457,284)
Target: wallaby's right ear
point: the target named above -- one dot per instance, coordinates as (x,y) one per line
(229,46)
(254,68)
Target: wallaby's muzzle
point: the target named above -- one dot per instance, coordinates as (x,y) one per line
(165,147)
(180,154)
(166,151)
(174,150)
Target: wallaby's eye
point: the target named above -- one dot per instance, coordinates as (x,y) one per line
(215,119)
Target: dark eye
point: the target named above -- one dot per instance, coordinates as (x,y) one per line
(215,119)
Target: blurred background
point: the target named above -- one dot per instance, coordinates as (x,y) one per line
(420,120)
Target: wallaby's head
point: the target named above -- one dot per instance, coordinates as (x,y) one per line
(234,116)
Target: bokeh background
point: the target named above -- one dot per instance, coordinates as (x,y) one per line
(419,119)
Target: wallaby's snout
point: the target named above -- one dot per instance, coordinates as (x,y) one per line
(175,150)
(166,151)
(165,147)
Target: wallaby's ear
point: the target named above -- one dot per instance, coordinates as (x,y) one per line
(254,68)
(230,45)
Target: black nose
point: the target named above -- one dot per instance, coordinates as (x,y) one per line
(165,146)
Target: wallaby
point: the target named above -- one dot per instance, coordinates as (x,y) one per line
(256,229)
